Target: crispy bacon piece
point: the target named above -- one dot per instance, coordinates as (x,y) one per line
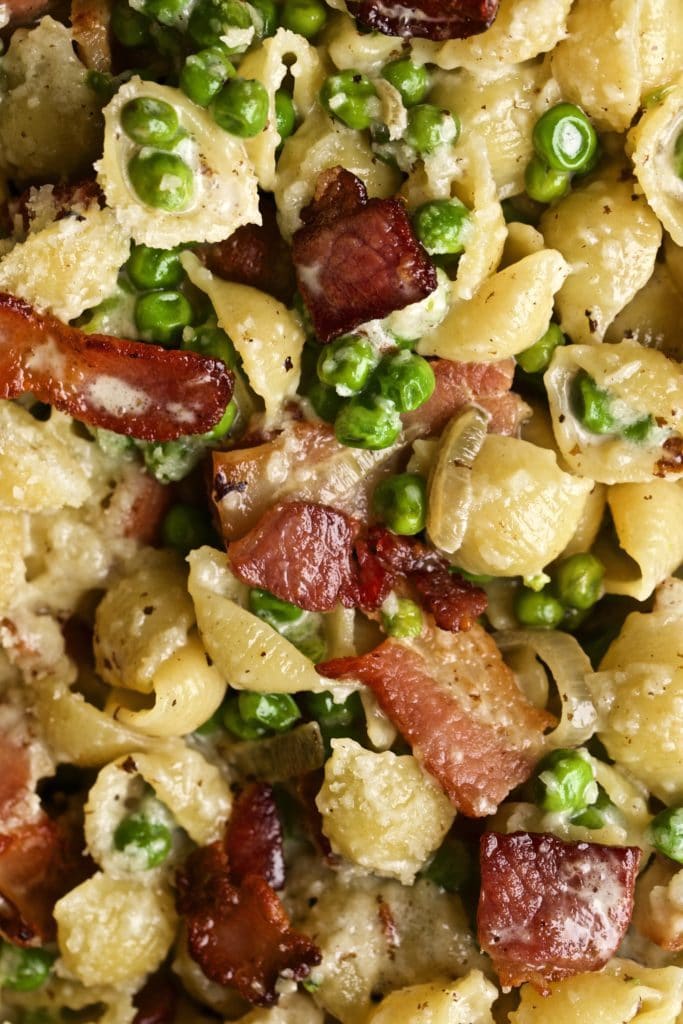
(15,777)
(256,255)
(253,837)
(66,198)
(356,259)
(240,934)
(90,29)
(550,909)
(137,507)
(25,12)
(127,386)
(428,19)
(457,704)
(157,1000)
(302,553)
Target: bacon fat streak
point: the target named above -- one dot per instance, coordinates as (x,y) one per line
(429,19)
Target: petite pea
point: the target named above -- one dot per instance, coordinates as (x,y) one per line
(162,180)
(405,379)
(665,832)
(150,268)
(536,358)
(369,423)
(565,139)
(276,712)
(430,127)
(170,461)
(168,12)
(442,226)
(138,835)
(150,122)
(212,341)
(285,114)
(273,610)
(168,41)
(325,401)
(410,80)
(305,17)
(269,16)
(130,27)
(543,184)
(205,73)
(185,527)
(210,19)
(241,107)
(234,723)
(224,425)
(597,814)
(640,430)
(161,316)
(350,97)
(211,725)
(565,782)
(332,714)
(452,867)
(578,580)
(592,404)
(405,621)
(538,610)
(24,970)
(401,502)
(346,364)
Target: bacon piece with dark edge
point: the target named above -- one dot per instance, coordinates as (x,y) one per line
(157,1000)
(356,258)
(457,704)
(302,553)
(429,19)
(65,199)
(253,837)
(25,12)
(550,909)
(256,255)
(15,778)
(130,387)
(239,935)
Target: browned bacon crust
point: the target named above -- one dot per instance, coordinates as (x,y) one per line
(253,838)
(356,259)
(429,19)
(130,387)
(550,909)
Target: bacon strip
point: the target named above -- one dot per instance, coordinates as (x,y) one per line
(550,909)
(356,259)
(239,935)
(456,703)
(25,12)
(428,19)
(157,1001)
(253,837)
(129,387)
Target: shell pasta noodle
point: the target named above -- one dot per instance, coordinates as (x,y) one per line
(341,512)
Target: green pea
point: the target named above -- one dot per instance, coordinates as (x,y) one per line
(205,73)
(170,461)
(234,723)
(210,340)
(285,114)
(325,401)
(578,580)
(276,712)
(211,725)
(347,363)
(150,122)
(678,155)
(410,80)
(162,180)
(592,404)
(478,578)
(401,502)
(406,379)
(130,27)
(443,226)
(305,17)
(452,867)
(543,184)
(536,358)
(430,127)
(150,268)
(640,430)
(241,107)
(168,41)
(332,714)
(161,316)
(565,139)
(565,782)
(352,98)
(168,12)
(137,836)
(24,970)
(186,527)
(538,610)
(210,19)
(665,832)
(369,423)
(406,620)
(269,15)
(276,612)
(598,814)
(224,425)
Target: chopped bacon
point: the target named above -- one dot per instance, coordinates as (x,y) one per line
(15,777)
(301,552)
(239,935)
(253,836)
(130,387)
(51,201)
(428,19)
(356,259)
(25,12)
(137,507)
(90,30)
(457,704)
(157,1000)
(550,909)
(256,255)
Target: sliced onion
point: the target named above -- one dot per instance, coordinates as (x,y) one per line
(450,488)
(277,758)
(569,667)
